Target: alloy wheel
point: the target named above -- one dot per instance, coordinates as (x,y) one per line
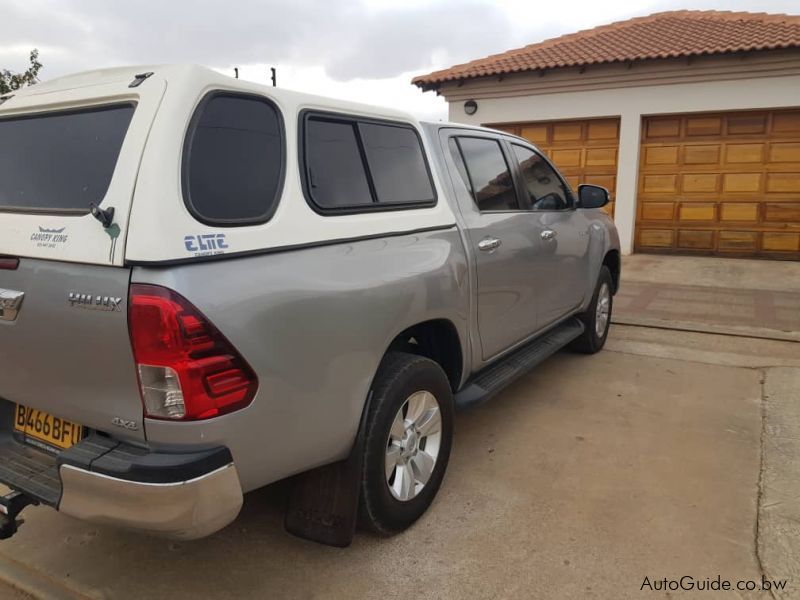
(412,447)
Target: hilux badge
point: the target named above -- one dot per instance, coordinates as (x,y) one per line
(10,302)
(92,302)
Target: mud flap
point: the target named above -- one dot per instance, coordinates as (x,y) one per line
(323,504)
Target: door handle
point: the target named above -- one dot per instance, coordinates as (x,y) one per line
(548,234)
(488,244)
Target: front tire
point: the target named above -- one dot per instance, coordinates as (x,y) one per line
(597,318)
(409,434)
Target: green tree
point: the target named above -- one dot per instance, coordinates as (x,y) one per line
(13,81)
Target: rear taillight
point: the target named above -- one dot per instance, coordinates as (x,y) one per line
(187,369)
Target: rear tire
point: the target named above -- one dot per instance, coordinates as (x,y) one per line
(597,318)
(409,433)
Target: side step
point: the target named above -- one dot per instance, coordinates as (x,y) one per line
(505,371)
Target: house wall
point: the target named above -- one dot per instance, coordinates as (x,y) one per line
(711,84)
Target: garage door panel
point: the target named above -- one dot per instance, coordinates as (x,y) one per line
(783,212)
(603,129)
(744,153)
(697,211)
(782,242)
(783,182)
(706,154)
(567,132)
(786,122)
(747,123)
(660,128)
(567,158)
(736,183)
(695,240)
(784,152)
(657,238)
(660,184)
(738,240)
(698,183)
(661,155)
(601,157)
(657,211)
(535,133)
(721,183)
(703,126)
(739,211)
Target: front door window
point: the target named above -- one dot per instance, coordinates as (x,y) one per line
(546,189)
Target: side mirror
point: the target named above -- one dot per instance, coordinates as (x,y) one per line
(592,196)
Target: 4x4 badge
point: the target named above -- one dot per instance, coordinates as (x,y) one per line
(125,423)
(10,303)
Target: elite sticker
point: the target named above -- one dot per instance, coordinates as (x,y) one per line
(206,244)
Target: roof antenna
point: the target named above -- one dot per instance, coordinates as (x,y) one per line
(236,71)
(274,76)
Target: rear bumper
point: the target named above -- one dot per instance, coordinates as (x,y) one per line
(182,509)
(179,495)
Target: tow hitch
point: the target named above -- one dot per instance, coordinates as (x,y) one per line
(10,506)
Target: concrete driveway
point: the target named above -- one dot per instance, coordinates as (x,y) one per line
(754,298)
(579,481)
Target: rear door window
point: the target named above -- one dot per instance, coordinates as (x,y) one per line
(61,162)
(233,160)
(488,174)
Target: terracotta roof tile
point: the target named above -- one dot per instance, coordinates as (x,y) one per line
(661,35)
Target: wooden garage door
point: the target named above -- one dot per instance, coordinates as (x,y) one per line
(721,183)
(584,151)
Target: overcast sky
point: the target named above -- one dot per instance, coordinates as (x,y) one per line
(364,50)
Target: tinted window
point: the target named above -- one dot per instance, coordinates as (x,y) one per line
(60,161)
(546,189)
(362,165)
(459,161)
(234,160)
(396,162)
(490,178)
(336,174)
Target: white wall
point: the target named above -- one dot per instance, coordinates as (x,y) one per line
(631,103)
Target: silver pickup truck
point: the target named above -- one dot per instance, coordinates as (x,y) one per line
(208,285)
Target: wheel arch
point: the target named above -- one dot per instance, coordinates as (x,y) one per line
(613,261)
(437,339)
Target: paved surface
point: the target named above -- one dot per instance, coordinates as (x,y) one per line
(716,295)
(672,453)
(775,275)
(779,514)
(732,351)
(743,311)
(577,482)
(8,592)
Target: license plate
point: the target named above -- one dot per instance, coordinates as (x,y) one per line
(39,426)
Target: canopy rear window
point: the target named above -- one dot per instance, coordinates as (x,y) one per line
(60,162)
